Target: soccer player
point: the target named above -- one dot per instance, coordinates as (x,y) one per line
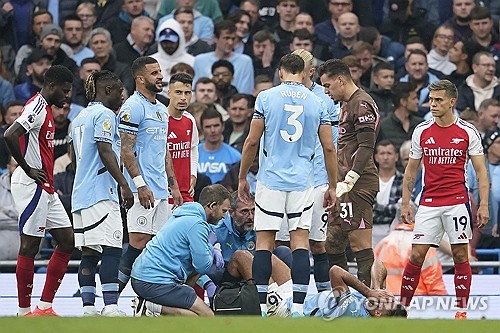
(317,236)
(143,131)
(289,117)
(182,137)
(176,256)
(95,153)
(30,140)
(443,143)
(358,180)
(349,297)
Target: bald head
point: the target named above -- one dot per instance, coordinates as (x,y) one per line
(348,25)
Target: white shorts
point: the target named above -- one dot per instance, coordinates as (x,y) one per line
(148,221)
(38,210)
(99,225)
(272,205)
(432,222)
(277,298)
(319,220)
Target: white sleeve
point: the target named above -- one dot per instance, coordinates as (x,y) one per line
(416,148)
(195,140)
(33,116)
(475,142)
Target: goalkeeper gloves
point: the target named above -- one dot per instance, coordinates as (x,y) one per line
(343,187)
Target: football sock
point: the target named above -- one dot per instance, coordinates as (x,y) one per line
(463,279)
(300,275)
(56,269)
(321,272)
(125,266)
(364,259)
(86,278)
(284,254)
(409,282)
(25,271)
(109,274)
(338,259)
(261,272)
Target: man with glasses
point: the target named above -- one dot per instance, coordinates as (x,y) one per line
(222,75)
(327,30)
(480,85)
(442,42)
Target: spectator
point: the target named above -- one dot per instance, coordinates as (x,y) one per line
(252,8)
(348,31)
(87,13)
(461,19)
(73,37)
(78,96)
(391,189)
(61,124)
(287,10)
(418,74)
(383,80)
(6,90)
(194,45)
(23,13)
(483,34)
(205,91)
(225,35)
(208,8)
(327,30)
(203,25)
(459,57)
(303,39)
(399,125)
(242,21)
(196,110)
(9,229)
(265,59)
(438,56)
(364,53)
(321,49)
(240,110)
(383,46)
(222,75)
(37,63)
(106,10)
(355,69)
(119,27)
(480,85)
(138,41)
(394,252)
(488,115)
(262,82)
(12,112)
(215,157)
(101,44)
(171,49)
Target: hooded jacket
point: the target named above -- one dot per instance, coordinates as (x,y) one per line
(180,248)
(165,60)
(470,95)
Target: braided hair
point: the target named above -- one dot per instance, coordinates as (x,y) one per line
(98,78)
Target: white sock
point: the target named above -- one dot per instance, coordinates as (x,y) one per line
(44,305)
(23,311)
(111,306)
(263,308)
(299,308)
(155,308)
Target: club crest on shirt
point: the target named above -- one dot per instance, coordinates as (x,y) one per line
(31,118)
(141,220)
(251,245)
(106,125)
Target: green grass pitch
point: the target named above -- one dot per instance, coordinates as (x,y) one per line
(240,325)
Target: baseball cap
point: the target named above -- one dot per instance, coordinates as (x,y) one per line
(50,29)
(169,35)
(489,138)
(36,55)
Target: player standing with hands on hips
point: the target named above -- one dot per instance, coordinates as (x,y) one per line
(443,143)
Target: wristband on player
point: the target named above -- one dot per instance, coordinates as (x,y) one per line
(139,181)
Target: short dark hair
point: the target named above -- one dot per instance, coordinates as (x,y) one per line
(58,74)
(182,67)
(140,63)
(237,15)
(182,78)
(381,66)
(401,90)
(210,113)
(414,40)
(72,17)
(302,34)
(90,60)
(480,13)
(41,12)
(183,10)
(417,52)
(333,67)
(223,63)
(398,311)
(384,143)
(224,25)
(292,63)
(263,35)
(236,97)
(449,88)
(234,200)
(262,78)
(213,193)
(204,80)
(368,34)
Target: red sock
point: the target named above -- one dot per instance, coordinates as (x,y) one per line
(463,279)
(25,270)
(55,272)
(409,282)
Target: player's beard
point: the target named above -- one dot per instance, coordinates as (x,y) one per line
(152,87)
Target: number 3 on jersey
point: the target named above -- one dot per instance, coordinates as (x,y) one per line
(296,111)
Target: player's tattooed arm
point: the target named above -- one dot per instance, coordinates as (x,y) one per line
(410,183)
(127,153)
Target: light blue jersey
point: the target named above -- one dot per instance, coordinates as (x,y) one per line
(93,183)
(292,116)
(325,305)
(215,164)
(149,122)
(320,174)
(178,249)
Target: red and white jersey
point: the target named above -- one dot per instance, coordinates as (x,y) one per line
(37,145)
(444,152)
(182,141)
